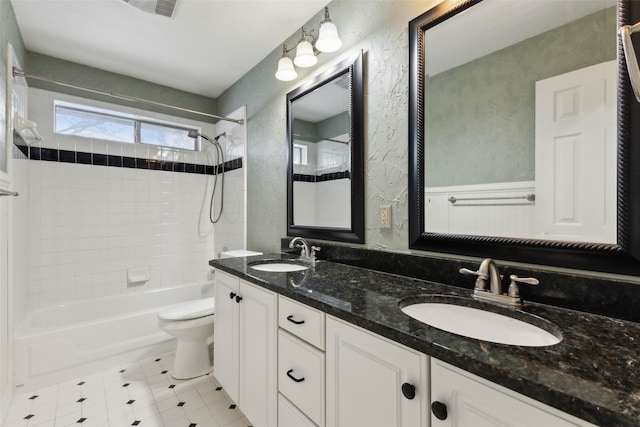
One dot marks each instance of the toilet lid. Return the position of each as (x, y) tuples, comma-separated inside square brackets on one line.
[(188, 310)]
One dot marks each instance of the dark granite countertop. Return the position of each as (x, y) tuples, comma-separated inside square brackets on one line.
[(593, 373)]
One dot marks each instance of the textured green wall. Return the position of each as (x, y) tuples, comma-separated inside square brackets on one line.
[(334, 126), (380, 30), (480, 116), (10, 33), (81, 75), (328, 128)]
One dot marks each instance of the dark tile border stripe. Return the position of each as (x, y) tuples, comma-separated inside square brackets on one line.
[(321, 178), (83, 158)]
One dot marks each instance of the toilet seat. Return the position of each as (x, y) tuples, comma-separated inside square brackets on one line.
[(188, 310)]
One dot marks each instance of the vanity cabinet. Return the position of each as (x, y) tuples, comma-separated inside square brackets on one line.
[(301, 365), (372, 381), (245, 347), (466, 400), (287, 364)]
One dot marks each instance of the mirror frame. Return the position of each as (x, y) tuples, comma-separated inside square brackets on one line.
[(354, 68), (621, 258)]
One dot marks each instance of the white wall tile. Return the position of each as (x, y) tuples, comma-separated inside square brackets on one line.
[(85, 225)]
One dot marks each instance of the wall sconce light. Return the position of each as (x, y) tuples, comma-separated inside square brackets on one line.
[(326, 41)]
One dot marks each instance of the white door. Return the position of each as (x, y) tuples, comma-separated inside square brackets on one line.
[(365, 377), (575, 162), (225, 334), (258, 355)]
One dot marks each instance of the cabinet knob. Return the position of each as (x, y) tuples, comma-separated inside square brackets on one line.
[(439, 409), (409, 391), (290, 375), (297, 322), (238, 298), (232, 295)]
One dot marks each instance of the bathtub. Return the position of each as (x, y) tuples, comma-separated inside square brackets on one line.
[(64, 342)]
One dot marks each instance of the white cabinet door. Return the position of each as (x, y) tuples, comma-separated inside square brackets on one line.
[(258, 354), (365, 376), (474, 402), (226, 333), (245, 347)]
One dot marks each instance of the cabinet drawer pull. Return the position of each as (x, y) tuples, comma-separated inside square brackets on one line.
[(409, 391), (439, 409), (298, 380), (232, 295), (238, 298), (296, 322)]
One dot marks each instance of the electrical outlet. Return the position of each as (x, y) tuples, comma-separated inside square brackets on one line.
[(385, 217)]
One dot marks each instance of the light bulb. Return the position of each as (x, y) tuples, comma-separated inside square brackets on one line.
[(328, 39), (304, 55), (286, 72)]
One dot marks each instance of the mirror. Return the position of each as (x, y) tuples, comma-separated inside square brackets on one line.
[(501, 163), (325, 172)]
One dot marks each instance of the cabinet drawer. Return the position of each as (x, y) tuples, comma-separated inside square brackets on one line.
[(301, 376), (290, 416), (302, 321)]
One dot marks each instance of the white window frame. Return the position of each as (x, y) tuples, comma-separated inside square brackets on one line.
[(137, 119), (303, 150)]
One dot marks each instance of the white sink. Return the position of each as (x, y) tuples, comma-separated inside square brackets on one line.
[(480, 324), (278, 267)]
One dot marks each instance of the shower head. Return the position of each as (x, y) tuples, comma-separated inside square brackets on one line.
[(194, 134)]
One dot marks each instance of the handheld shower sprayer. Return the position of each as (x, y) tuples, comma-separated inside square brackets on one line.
[(218, 165), (195, 134)]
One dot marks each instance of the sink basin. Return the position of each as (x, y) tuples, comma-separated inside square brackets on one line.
[(460, 316), (278, 267)]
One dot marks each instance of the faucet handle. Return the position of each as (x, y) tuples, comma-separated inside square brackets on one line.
[(468, 272), (528, 280), (303, 249), (513, 291)]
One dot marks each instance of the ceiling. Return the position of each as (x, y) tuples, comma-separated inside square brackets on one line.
[(204, 48)]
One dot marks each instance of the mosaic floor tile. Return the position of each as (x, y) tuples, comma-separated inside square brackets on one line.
[(142, 394)]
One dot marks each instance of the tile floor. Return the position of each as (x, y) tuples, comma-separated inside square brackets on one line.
[(142, 394)]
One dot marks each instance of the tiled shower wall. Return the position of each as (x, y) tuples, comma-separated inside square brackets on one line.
[(85, 225)]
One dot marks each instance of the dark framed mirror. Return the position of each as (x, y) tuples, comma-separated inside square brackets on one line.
[(325, 147), (488, 176)]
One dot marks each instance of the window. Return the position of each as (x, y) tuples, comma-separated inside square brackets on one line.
[(88, 122), (299, 154)]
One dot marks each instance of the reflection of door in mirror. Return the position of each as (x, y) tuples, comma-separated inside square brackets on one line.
[(321, 156), (576, 155), (481, 171)]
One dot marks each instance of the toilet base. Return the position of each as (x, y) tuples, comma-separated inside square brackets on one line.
[(192, 359)]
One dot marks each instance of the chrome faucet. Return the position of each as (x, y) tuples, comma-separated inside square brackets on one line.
[(488, 270), (306, 250)]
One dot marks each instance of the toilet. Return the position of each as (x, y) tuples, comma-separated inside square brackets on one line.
[(191, 322)]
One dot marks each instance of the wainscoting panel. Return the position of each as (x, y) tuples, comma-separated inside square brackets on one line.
[(496, 209)]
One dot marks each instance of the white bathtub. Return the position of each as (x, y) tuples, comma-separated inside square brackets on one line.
[(67, 341)]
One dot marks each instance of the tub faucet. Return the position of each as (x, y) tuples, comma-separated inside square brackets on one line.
[(306, 250)]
